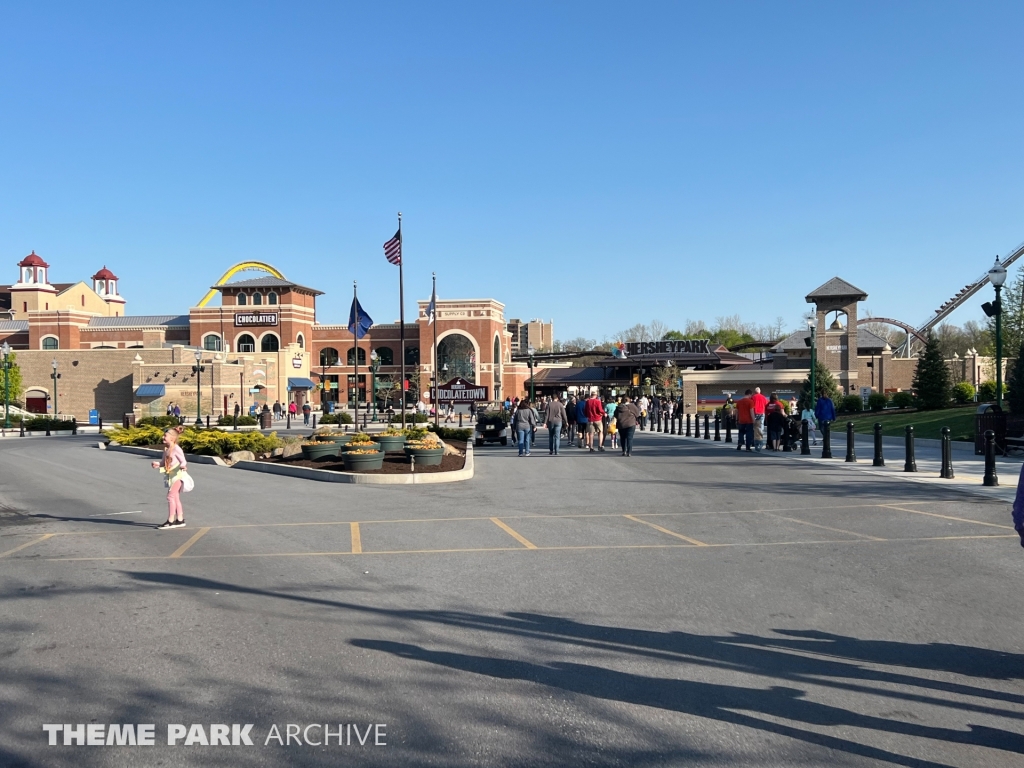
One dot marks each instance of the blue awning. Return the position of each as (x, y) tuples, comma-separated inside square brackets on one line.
[(150, 390), (299, 383)]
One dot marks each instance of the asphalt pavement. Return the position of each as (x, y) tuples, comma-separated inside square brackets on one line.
[(689, 605)]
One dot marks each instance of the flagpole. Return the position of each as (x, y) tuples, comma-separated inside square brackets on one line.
[(401, 313), (355, 348), (437, 382)]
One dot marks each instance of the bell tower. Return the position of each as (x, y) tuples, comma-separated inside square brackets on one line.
[(836, 343), (104, 283), (33, 291)]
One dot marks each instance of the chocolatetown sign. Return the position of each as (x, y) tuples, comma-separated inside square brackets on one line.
[(458, 390)]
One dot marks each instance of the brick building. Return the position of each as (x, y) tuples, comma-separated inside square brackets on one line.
[(263, 343)]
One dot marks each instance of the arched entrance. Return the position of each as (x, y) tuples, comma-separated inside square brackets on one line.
[(458, 352)]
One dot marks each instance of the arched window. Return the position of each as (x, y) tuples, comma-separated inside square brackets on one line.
[(243, 299), (352, 356), (257, 298), (272, 298), (301, 341), (328, 356), (458, 353), (385, 355), (412, 355), (211, 342), (51, 342), (270, 342), (246, 343)]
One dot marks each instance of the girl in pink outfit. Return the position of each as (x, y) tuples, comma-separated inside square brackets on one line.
[(173, 467)]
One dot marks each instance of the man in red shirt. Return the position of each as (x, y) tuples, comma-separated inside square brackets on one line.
[(745, 420), (595, 411), (760, 403)]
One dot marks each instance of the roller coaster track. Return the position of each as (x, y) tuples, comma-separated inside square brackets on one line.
[(243, 266), (946, 309)]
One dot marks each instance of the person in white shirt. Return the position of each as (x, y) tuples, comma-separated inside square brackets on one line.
[(643, 403), (812, 424)]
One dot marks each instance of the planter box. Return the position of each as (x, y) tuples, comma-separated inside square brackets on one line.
[(314, 452), (336, 439), (391, 443), (360, 447), (426, 457), (354, 462)]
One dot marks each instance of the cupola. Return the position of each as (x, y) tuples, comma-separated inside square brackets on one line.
[(32, 270), (104, 283)]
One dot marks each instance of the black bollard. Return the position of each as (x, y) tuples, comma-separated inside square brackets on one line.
[(851, 444), (696, 425), (879, 460), (100, 420), (22, 427), (728, 429), (991, 479), (673, 420), (826, 440), (657, 421), (718, 435), (707, 428), (207, 421), (47, 426), (234, 422), (910, 464), (688, 434), (74, 426), (946, 472), (314, 422), (805, 443), (460, 420), (287, 421)]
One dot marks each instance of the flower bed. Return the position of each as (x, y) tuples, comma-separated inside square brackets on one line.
[(203, 442), (394, 463)]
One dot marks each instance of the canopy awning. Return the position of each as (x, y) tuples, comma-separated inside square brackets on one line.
[(300, 383), (150, 390)]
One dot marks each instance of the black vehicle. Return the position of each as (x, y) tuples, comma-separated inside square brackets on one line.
[(491, 427)]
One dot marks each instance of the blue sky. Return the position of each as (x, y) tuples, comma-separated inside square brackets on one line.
[(599, 164)]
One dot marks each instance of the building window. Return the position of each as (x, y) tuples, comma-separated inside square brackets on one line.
[(385, 355), (83, 299), (272, 298), (257, 298), (458, 353), (211, 342), (412, 355), (328, 356), (270, 342), (246, 343), (301, 341), (50, 342), (351, 358), (243, 299)]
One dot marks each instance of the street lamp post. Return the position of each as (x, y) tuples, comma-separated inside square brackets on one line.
[(533, 391), (997, 276), (198, 369), (374, 365), (5, 349), (813, 344), (54, 376)]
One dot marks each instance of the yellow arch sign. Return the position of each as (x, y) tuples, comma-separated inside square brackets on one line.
[(242, 266)]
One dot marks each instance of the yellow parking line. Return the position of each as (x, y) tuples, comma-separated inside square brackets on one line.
[(824, 527), (27, 544), (666, 530), (522, 540), (947, 517), (184, 547), (357, 540)]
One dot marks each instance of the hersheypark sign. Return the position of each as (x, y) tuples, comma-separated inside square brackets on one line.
[(681, 347)]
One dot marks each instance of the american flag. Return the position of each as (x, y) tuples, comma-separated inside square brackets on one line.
[(393, 249)]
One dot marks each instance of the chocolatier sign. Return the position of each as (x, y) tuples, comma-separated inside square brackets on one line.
[(683, 347), (250, 319), (458, 390)]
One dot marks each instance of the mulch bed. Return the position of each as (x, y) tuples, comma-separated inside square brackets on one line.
[(394, 463)]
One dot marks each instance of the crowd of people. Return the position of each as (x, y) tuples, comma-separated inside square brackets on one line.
[(594, 423)]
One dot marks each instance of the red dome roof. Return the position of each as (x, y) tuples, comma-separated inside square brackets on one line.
[(32, 261), (104, 274)]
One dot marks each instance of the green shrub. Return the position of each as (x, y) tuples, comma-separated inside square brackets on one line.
[(338, 417), (877, 401), (42, 423), (963, 392), (243, 421), (987, 391), (204, 442), (145, 435), (158, 421), (415, 433), (851, 404), (903, 400), (410, 418), (446, 433)]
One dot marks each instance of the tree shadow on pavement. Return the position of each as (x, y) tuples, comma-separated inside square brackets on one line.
[(839, 663)]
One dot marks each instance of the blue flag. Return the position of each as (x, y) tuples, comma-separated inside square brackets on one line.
[(358, 321), (432, 307)]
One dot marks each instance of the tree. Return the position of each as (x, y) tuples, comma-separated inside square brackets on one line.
[(931, 379), (1015, 396), (13, 381), (824, 385)]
